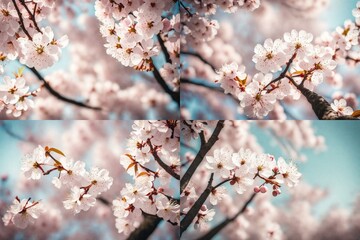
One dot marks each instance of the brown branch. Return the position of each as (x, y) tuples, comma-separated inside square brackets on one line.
[(201, 58), (32, 16), (60, 96), (204, 149), (22, 25), (320, 106), (283, 73), (192, 213), (167, 168), (227, 221)]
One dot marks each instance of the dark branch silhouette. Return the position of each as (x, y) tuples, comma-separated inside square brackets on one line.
[(192, 213), (204, 149), (146, 228), (175, 96)]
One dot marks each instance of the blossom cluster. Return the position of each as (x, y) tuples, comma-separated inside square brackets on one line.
[(152, 161), (81, 186), (23, 212), (15, 95), (198, 27), (22, 38), (242, 170), (130, 30), (300, 61)]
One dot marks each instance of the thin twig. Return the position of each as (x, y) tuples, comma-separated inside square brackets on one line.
[(201, 58), (200, 84), (60, 96), (167, 168), (32, 16), (186, 9), (22, 25)]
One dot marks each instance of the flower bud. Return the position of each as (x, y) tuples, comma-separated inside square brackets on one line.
[(263, 189), (203, 208)]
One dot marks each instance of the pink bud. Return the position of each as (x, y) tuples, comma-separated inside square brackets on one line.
[(263, 189), (203, 208), (256, 189), (160, 190), (274, 193)]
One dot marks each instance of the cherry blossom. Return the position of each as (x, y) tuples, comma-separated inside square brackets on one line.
[(203, 218), (340, 107), (220, 163), (270, 56), (23, 212), (303, 62), (152, 160), (232, 78), (82, 186), (289, 172), (79, 200), (299, 42), (32, 163)]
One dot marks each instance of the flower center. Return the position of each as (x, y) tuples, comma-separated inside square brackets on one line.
[(13, 90), (269, 56), (40, 49)]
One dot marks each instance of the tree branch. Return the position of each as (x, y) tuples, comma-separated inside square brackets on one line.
[(22, 25), (210, 87), (31, 15), (192, 213), (167, 168), (227, 221), (146, 228), (60, 96), (204, 149), (200, 58), (283, 73), (164, 49), (175, 96), (320, 106)]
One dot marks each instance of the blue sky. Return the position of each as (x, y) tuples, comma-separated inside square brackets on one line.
[(335, 169)]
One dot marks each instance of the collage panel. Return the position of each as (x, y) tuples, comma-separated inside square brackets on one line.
[(179, 119), (89, 179), (281, 59), (270, 180), (95, 59)]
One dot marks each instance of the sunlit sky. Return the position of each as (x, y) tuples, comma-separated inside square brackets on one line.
[(335, 169)]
